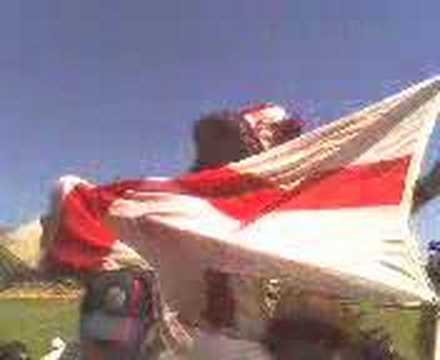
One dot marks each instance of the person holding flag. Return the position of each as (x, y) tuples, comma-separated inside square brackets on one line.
[(220, 138), (345, 188)]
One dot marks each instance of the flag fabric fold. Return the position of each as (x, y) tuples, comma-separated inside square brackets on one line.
[(328, 210)]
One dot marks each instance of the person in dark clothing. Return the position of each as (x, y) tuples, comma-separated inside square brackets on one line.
[(121, 310), (122, 317)]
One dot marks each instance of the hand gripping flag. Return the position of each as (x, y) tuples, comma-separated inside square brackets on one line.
[(328, 210)]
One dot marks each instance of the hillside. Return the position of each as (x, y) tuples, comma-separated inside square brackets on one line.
[(19, 278), (24, 242), (18, 253), (13, 269)]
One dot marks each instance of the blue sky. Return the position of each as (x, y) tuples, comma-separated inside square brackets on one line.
[(109, 89)]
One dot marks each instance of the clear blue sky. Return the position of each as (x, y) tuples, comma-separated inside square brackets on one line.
[(109, 89)]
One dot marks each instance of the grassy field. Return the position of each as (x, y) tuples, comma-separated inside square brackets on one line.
[(36, 322), (408, 329)]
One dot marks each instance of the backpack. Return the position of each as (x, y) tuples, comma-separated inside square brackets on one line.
[(118, 310)]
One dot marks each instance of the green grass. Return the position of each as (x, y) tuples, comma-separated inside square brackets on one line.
[(409, 329), (36, 322)]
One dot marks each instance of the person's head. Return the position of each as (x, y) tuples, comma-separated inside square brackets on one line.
[(229, 136), (218, 140)]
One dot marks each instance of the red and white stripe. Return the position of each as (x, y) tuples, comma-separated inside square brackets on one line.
[(330, 208)]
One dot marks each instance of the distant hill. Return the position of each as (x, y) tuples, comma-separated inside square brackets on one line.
[(24, 242), (13, 269), (15, 264), (19, 276)]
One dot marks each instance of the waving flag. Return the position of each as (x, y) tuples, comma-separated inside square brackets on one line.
[(328, 210)]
